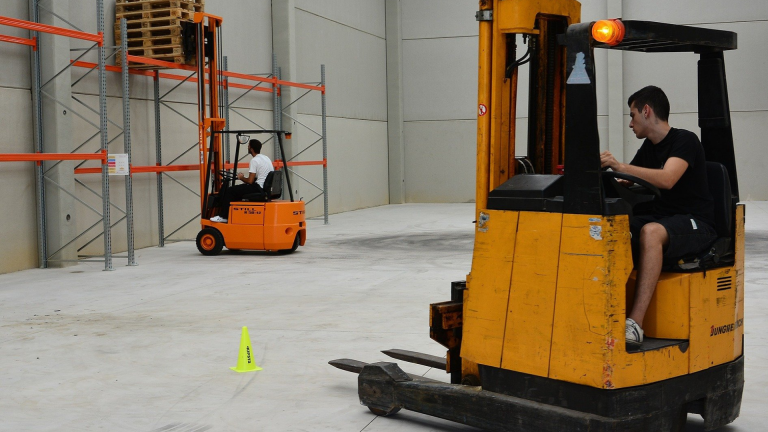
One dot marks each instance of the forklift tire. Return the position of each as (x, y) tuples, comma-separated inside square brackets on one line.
[(210, 241), (382, 413), (293, 248)]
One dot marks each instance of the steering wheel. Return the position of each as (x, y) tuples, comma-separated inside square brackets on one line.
[(227, 175), (645, 185)]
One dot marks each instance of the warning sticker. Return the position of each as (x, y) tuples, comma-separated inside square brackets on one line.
[(118, 164), (579, 74), (481, 110)]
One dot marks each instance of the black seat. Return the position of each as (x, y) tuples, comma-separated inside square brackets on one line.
[(273, 189), (721, 251)]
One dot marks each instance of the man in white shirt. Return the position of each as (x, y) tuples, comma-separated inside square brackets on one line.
[(258, 169)]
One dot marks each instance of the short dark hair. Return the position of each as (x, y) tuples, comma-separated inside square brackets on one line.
[(255, 145), (654, 97)]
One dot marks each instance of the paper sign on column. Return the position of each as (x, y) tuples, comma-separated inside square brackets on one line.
[(118, 164)]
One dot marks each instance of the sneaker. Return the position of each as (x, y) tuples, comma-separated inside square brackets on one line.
[(218, 219), (634, 333)]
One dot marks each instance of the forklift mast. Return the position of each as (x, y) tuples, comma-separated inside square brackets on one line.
[(210, 112), (503, 24)]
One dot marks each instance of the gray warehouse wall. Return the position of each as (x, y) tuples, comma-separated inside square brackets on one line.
[(439, 65), (18, 236), (349, 38)]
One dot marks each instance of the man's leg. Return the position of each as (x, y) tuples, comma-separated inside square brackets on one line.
[(653, 239), (233, 193)]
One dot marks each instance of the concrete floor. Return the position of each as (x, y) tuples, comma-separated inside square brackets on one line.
[(148, 348)]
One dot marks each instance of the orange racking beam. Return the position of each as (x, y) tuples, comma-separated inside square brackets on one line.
[(21, 41), (279, 163), (195, 167), (39, 157), (44, 28)]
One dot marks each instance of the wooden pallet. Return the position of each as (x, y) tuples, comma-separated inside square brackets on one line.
[(152, 52), (155, 28), (154, 17), (151, 41), (176, 59), (149, 33), (145, 5)]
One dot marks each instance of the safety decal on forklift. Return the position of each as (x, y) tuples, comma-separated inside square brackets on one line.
[(596, 232), (481, 110), (579, 74), (482, 221)]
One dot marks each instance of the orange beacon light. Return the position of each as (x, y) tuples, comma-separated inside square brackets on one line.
[(609, 32)]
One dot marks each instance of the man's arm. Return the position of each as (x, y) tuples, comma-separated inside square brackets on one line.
[(664, 178), (249, 180)]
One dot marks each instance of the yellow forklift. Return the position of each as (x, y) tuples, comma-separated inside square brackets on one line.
[(535, 336)]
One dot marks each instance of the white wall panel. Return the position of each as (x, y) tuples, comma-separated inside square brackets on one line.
[(438, 19), (363, 15), (357, 164), (355, 68), (247, 28), (15, 64), (677, 73), (18, 247), (440, 159), (440, 79), (696, 11), (750, 130)]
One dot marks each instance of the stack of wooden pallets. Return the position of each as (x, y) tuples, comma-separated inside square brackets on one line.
[(154, 29)]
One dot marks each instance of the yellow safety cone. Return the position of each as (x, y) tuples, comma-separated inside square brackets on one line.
[(245, 362)]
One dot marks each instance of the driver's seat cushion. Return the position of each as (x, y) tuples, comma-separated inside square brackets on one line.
[(721, 251), (273, 188)]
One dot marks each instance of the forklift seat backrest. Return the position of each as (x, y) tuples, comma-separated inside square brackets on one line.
[(273, 184), (273, 188), (720, 188)]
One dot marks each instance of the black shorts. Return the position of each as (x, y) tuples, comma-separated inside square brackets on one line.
[(687, 235)]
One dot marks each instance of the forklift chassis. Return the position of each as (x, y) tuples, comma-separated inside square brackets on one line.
[(513, 401)]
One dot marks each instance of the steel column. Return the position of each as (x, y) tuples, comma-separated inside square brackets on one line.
[(42, 235), (104, 139), (275, 102), (159, 162), (127, 138), (325, 149), (225, 98)]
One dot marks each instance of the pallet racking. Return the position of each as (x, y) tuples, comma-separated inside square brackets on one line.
[(231, 80)]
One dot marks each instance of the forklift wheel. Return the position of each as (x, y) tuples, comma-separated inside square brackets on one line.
[(210, 241), (382, 413), (295, 246)]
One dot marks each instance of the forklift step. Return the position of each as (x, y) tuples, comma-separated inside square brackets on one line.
[(650, 344), (418, 358)]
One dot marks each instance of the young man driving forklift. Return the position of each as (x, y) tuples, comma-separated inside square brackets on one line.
[(258, 169), (681, 222)]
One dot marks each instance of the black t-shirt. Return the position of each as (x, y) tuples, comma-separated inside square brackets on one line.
[(690, 195)]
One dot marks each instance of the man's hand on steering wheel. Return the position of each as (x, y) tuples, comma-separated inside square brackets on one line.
[(607, 160)]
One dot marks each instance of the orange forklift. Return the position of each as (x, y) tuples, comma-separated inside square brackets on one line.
[(535, 336), (261, 221)]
